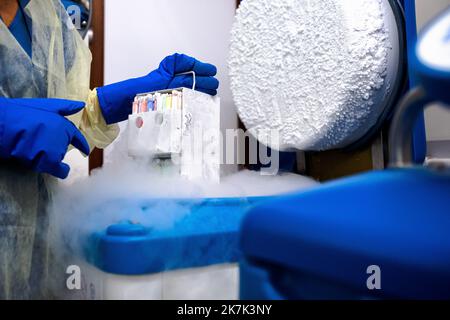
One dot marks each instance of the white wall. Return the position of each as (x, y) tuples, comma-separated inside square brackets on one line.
[(437, 118)]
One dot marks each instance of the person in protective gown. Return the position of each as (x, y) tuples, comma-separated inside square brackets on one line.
[(47, 107)]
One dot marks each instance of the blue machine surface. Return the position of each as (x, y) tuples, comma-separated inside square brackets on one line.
[(319, 244), (327, 243), (206, 235), (431, 61), (419, 139)]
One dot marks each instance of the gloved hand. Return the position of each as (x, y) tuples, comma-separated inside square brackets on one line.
[(35, 133), (116, 99)]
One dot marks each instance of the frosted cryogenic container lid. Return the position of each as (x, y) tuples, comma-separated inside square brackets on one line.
[(319, 73)]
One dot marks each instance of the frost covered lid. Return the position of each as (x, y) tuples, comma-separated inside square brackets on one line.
[(318, 72)]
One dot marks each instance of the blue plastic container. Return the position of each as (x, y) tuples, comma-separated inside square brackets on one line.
[(207, 234), (319, 244)]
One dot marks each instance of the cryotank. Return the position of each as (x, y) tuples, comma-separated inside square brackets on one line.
[(322, 74)]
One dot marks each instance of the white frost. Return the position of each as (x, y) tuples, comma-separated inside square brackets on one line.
[(309, 69)]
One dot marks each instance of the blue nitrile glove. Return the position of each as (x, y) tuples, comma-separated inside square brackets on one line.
[(116, 99), (35, 133)]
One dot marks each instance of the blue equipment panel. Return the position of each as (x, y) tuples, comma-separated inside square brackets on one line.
[(419, 139), (318, 244), (206, 234)]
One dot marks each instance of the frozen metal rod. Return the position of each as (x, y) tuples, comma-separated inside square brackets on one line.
[(400, 136)]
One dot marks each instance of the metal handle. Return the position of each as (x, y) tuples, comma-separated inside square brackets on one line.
[(193, 77), (90, 36), (400, 136)]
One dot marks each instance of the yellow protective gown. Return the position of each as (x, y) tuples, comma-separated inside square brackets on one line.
[(59, 68)]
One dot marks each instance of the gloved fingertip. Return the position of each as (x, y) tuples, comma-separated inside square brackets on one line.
[(209, 83), (216, 83), (70, 107), (61, 171), (204, 69), (80, 142)]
